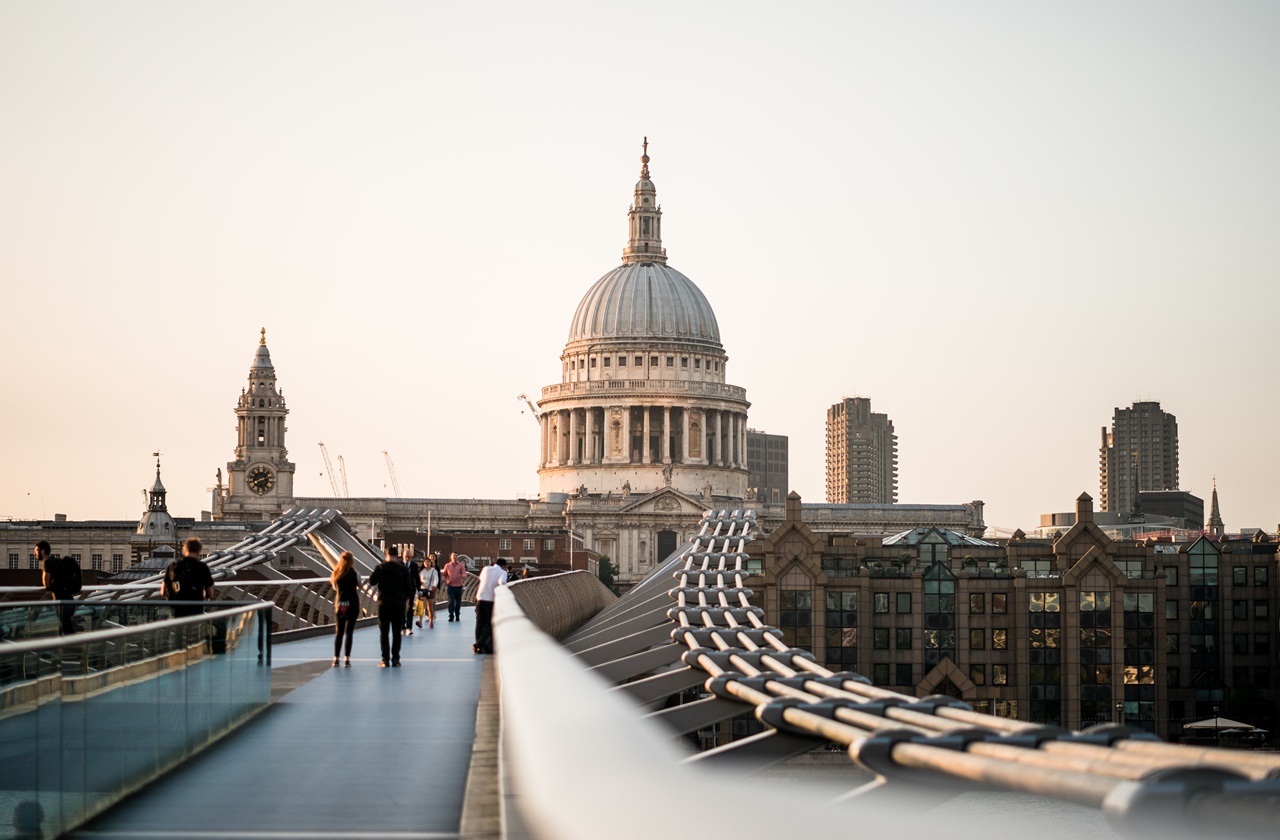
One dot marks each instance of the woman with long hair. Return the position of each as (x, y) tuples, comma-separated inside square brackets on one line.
[(430, 583), (346, 605)]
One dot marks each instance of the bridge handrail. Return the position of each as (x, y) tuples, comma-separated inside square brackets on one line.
[(561, 793), (46, 643)]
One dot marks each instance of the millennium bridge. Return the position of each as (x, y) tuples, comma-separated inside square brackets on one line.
[(584, 725)]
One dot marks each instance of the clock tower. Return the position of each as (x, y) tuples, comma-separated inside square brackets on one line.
[(260, 479)]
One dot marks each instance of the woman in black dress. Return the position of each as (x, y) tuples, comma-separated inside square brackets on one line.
[(346, 605)]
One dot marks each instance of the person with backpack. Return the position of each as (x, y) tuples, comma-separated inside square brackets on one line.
[(188, 582), (62, 579)]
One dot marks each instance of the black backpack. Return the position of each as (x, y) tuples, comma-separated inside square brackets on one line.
[(185, 581), (67, 579)]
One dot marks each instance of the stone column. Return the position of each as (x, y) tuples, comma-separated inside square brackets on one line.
[(626, 435), (734, 455), (684, 447), (590, 436), (716, 455), (543, 426), (547, 441), (644, 449), (573, 436), (666, 434), (561, 458)]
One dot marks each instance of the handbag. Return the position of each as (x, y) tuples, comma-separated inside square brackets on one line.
[(420, 608), (344, 609)]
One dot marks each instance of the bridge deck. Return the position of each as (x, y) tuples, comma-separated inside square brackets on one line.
[(359, 751)]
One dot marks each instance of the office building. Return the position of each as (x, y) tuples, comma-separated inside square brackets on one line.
[(862, 454), (1140, 453), (766, 467)]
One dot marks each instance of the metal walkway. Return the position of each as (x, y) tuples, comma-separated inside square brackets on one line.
[(355, 752)]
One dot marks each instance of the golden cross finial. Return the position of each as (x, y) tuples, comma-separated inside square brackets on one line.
[(644, 160), (263, 341)]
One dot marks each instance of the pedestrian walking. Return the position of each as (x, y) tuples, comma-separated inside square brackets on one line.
[(455, 575), (392, 580), (62, 580), (415, 583), (491, 577), (430, 583), (187, 582), (346, 606)]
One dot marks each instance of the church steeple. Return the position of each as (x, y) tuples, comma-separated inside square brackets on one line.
[(1215, 525), (260, 479), (644, 220)]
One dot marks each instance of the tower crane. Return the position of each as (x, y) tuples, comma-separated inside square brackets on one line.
[(328, 469), (529, 403), (391, 468), (342, 473)]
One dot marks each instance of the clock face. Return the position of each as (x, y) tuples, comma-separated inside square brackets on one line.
[(260, 480)]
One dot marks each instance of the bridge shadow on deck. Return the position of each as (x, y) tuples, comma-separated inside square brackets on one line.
[(353, 751)]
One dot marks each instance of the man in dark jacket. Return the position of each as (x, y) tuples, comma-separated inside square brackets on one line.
[(188, 581), (394, 587)]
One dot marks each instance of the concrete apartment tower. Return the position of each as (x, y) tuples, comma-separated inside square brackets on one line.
[(862, 454), (1140, 453)]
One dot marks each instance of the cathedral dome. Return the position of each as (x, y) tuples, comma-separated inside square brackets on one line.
[(643, 301)]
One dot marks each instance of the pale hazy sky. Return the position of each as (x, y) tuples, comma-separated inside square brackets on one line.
[(998, 220)]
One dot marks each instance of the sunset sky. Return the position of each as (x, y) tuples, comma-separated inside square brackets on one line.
[(998, 220)]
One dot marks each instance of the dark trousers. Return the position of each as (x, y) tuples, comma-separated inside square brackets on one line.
[(484, 626), (455, 601), (344, 627), (390, 621), (66, 613)]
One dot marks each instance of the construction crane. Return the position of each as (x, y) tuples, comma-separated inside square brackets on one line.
[(391, 468), (342, 473), (529, 403), (328, 470)]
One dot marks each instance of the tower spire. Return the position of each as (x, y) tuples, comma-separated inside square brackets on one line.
[(1215, 525), (644, 220), (262, 342)]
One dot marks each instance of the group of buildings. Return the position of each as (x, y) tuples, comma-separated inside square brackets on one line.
[(644, 432)]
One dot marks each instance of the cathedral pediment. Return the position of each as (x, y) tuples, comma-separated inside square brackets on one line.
[(666, 500)]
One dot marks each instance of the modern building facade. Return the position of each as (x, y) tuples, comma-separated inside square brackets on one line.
[(767, 468), (862, 454), (1139, 453), (1077, 630)]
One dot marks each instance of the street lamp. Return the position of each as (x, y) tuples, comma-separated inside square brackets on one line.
[(1120, 712)]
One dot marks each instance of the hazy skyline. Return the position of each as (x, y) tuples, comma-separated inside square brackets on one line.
[(999, 221)]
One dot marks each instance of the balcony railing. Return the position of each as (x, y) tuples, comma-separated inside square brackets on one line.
[(604, 387)]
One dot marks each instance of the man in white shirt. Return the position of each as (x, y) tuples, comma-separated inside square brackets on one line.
[(491, 577)]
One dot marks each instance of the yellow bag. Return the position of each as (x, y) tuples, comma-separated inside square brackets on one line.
[(420, 608)]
